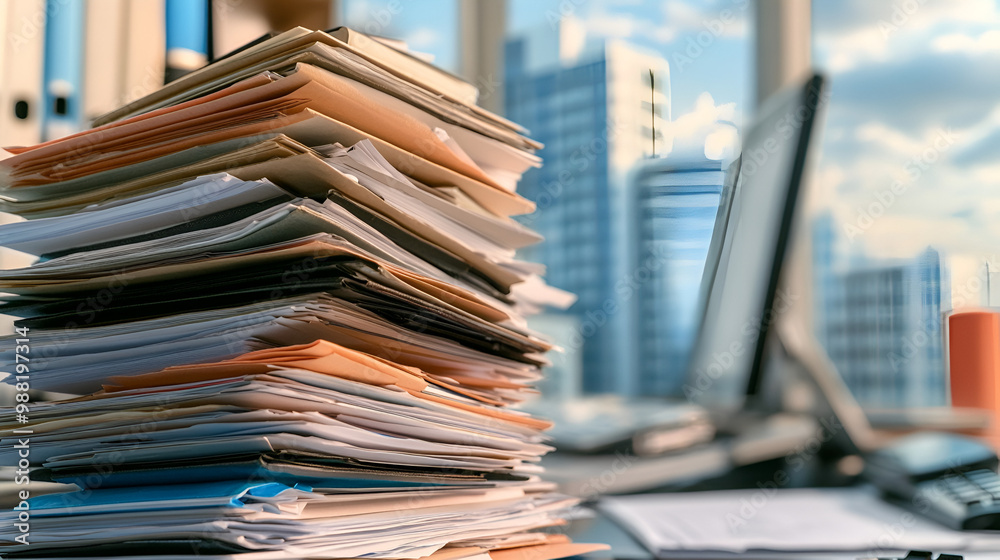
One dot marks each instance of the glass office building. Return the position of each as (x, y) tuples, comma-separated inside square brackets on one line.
[(590, 104), (825, 251), (676, 200), (883, 330)]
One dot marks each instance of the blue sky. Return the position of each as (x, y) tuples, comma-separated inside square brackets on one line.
[(668, 28), (663, 27), (915, 103)]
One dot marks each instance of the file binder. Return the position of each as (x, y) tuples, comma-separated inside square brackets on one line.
[(21, 54), (187, 36), (124, 53), (64, 46), (145, 48), (105, 45)]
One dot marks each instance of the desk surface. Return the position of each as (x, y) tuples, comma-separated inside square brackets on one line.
[(589, 476), (601, 528)]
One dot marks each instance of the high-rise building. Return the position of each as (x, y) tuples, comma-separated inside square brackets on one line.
[(596, 109), (826, 257), (885, 334), (676, 200)]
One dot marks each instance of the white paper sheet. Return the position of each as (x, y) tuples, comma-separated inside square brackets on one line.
[(852, 520)]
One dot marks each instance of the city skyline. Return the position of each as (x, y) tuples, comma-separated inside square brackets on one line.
[(882, 165), (675, 201), (589, 103), (884, 118), (627, 217), (880, 320)]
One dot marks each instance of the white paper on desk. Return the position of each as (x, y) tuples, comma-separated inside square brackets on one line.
[(793, 520)]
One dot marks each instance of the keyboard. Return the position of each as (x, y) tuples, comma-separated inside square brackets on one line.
[(948, 478)]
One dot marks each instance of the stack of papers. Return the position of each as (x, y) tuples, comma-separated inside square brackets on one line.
[(284, 293)]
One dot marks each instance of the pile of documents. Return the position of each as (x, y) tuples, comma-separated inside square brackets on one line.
[(282, 296)]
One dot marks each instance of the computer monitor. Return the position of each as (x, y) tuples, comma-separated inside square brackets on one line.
[(740, 296)]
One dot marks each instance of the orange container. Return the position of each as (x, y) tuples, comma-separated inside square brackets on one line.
[(974, 362)]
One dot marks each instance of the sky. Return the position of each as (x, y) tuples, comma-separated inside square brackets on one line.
[(909, 153), (915, 105)]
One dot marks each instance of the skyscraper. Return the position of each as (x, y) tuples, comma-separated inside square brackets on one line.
[(826, 255), (592, 105), (675, 203), (885, 336)]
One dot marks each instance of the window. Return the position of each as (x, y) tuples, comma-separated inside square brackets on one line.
[(907, 179), (595, 59), (428, 26)]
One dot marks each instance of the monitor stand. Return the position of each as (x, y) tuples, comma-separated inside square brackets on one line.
[(800, 378), (802, 402)]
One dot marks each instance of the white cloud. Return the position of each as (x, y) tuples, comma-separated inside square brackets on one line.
[(903, 72), (864, 45), (906, 235), (703, 130), (721, 143), (611, 25), (988, 175), (952, 207), (828, 180), (894, 140), (423, 38), (844, 17), (880, 31), (677, 19), (931, 144), (727, 20), (987, 42)]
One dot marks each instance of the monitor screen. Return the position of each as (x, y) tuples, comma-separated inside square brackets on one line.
[(741, 297)]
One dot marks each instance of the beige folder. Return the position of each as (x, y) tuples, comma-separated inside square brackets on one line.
[(299, 106), (291, 41), (326, 358)]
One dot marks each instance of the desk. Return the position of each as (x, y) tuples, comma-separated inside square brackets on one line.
[(602, 529), (589, 476), (834, 520)]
